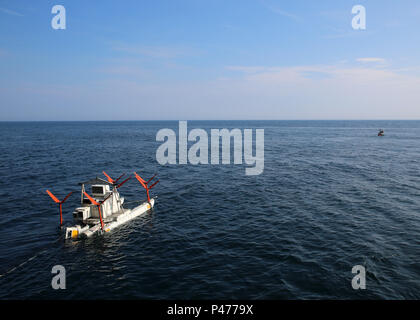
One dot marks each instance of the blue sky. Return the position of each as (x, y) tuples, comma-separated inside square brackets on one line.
[(196, 59)]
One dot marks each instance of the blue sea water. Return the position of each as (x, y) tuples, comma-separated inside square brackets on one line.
[(332, 195)]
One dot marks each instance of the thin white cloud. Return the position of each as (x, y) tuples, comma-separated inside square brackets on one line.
[(11, 12), (156, 51), (280, 11), (371, 60), (285, 13), (339, 34), (246, 69), (123, 70)]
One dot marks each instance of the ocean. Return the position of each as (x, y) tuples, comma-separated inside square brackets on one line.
[(332, 195)]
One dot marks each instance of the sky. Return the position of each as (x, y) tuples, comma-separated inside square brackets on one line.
[(209, 60)]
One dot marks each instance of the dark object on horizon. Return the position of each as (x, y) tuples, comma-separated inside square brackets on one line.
[(381, 133)]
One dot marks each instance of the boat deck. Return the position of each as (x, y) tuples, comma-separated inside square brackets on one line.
[(113, 217)]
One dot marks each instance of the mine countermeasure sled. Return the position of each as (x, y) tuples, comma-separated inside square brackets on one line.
[(102, 210)]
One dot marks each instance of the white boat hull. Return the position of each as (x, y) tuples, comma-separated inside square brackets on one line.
[(87, 231)]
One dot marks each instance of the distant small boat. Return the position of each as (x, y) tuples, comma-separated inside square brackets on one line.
[(381, 133)]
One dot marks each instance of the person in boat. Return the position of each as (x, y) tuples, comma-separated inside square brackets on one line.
[(381, 132)]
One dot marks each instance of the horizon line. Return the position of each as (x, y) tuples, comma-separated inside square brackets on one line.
[(167, 120)]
